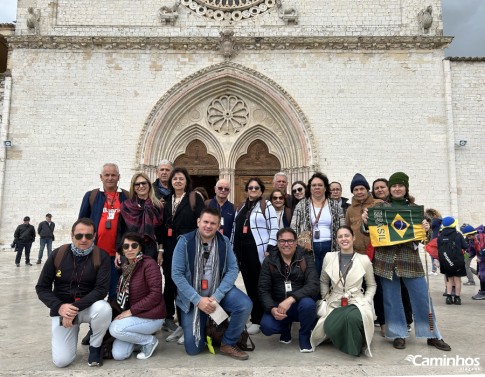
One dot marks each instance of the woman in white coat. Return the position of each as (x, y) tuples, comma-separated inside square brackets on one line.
[(348, 321)]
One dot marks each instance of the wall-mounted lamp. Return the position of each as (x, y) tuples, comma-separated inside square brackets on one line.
[(8, 143), (461, 143)]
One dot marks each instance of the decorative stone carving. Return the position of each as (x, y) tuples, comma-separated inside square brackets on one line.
[(169, 14), (227, 114), (425, 19), (289, 15), (227, 44), (229, 10), (33, 20)]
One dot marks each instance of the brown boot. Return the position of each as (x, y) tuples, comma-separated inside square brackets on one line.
[(233, 351)]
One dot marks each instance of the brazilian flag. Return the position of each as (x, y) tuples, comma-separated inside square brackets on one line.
[(392, 226)]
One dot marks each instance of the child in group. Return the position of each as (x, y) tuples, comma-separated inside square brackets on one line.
[(451, 246), (476, 247)]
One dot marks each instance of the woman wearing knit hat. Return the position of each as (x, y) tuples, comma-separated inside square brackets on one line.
[(452, 262), (403, 261)]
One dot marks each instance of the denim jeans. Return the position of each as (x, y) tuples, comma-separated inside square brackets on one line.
[(304, 311), (64, 340), (131, 331), (20, 249), (236, 304), (43, 243), (396, 326), (320, 249)]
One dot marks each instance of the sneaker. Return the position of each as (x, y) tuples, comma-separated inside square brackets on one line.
[(474, 271), (181, 340), (306, 350), (399, 343), (233, 351), (87, 337), (95, 359), (285, 339), (170, 325), (376, 323), (449, 300), (439, 343), (457, 300), (253, 329), (28, 264), (173, 337), (38, 261), (479, 296), (147, 349), (17, 264), (469, 283)]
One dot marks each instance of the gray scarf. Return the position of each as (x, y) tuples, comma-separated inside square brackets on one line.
[(81, 253), (199, 272)]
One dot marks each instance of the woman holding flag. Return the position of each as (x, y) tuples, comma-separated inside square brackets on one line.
[(402, 260)]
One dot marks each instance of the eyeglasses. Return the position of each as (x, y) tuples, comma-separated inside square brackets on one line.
[(134, 245), (277, 198), (298, 189), (253, 188), (137, 184), (224, 189), (88, 236), (288, 242)]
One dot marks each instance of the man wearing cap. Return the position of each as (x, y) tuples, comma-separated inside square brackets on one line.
[(24, 236), (46, 234), (361, 200)]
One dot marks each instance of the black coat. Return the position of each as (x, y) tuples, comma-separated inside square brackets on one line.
[(25, 233), (303, 277)]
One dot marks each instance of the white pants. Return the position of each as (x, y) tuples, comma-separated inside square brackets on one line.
[(64, 340)]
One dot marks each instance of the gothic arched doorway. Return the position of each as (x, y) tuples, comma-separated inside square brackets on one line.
[(257, 162), (202, 167)]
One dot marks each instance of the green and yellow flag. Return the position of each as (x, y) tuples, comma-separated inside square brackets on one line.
[(392, 226)]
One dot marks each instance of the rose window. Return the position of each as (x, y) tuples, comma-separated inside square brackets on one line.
[(230, 10), (227, 114)]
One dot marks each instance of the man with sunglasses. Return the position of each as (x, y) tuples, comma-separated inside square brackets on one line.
[(287, 286), (221, 202), (73, 284)]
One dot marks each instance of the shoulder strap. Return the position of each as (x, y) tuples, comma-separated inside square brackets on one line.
[(303, 265), (207, 203), (62, 253), (92, 196), (262, 205), (60, 256)]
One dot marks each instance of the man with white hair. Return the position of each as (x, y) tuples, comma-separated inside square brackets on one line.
[(223, 205), (160, 185), (280, 182)]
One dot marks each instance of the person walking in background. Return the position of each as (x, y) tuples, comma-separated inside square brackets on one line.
[(46, 234), (24, 236)]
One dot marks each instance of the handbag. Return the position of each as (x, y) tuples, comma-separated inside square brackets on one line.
[(216, 331), (305, 240)]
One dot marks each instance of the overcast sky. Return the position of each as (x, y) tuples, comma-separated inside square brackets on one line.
[(463, 19)]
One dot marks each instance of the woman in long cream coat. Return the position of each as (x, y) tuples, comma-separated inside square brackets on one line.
[(351, 326)]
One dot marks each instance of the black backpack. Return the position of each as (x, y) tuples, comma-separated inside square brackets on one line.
[(450, 256)]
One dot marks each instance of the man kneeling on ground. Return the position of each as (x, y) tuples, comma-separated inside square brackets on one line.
[(287, 284), (81, 275), (204, 269)]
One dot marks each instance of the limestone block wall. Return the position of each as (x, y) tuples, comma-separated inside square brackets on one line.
[(468, 95), (141, 18), (372, 112)]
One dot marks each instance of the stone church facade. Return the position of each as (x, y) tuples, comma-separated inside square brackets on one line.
[(236, 88)]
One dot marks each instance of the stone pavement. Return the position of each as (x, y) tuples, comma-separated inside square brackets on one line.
[(25, 343)]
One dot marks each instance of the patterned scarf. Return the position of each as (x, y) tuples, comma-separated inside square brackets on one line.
[(199, 272), (123, 289), (81, 253), (141, 217)]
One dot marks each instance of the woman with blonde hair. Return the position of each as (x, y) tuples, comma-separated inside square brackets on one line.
[(142, 213)]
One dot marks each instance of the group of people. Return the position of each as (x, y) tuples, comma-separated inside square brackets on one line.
[(302, 257)]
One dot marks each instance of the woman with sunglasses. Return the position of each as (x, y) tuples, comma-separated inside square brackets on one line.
[(142, 213), (283, 213), (349, 318), (182, 209), (298, 190), (139, 296), (253, 234), (317, 218)]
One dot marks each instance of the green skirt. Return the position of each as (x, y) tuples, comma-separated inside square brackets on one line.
[(345, 328)]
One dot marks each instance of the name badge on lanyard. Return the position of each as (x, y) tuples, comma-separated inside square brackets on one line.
[(288, 286), (111, 214)]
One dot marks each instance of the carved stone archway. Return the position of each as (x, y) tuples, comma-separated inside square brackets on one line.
[(227, 107)]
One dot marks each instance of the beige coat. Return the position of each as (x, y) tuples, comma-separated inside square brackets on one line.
[(361, 269)]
